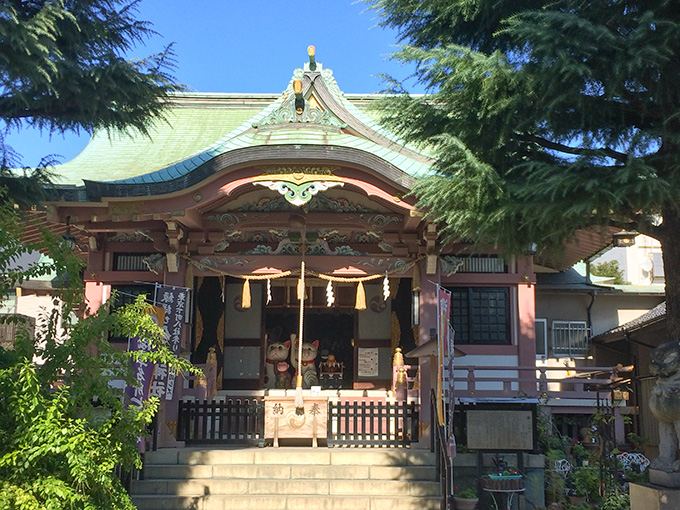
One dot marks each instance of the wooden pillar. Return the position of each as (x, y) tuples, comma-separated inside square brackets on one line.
[(526, 315)]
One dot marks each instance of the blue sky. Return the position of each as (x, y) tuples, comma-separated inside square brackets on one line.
[(251, 46)]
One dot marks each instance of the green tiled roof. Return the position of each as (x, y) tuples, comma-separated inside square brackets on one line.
[(188, 131), (200, 127)]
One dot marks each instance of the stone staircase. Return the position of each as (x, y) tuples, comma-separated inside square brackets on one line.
[(288, 478)]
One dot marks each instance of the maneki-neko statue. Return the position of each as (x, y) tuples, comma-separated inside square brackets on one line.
[(277, 373), (310, 377)]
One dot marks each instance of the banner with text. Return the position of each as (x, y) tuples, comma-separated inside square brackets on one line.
[(143, 370), (174, 302), (444, 309)]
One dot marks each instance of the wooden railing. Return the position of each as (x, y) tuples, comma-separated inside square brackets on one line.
[(581, 383), (237, 420), (372, 423)]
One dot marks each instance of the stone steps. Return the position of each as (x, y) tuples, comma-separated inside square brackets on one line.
[(287, 478), (259, 502)]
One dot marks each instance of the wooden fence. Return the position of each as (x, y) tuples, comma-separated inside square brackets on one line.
[(372, 423), (231, 421)]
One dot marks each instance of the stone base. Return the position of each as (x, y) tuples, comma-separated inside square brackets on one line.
[(652, 497), (664, 478)]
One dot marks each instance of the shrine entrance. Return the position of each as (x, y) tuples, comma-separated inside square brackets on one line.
[(332, 329)]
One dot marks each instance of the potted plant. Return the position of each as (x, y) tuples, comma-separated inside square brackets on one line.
[(465, 499), (585, 482), (580, 454)]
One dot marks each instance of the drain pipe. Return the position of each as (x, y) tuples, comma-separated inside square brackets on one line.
[(589, 315)]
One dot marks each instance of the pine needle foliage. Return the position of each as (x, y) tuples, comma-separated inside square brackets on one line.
[(546, 118), (63, 67)]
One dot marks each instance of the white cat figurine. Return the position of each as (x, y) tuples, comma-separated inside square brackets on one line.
[(309, 352), (276, 366)]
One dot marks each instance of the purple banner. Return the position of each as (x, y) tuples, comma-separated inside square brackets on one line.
[(174, 303), (143, 370)]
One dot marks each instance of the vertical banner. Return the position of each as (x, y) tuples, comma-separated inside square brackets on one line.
[(444, 308), (143, 370), (174, 303), (451, 353)]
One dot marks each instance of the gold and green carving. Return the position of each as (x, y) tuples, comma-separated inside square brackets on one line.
[(298, 188)]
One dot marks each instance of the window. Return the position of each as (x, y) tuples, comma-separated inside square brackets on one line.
[(569, 339), (133, 261), (11, 325), (481, 315), (126, 294), (541, 328)]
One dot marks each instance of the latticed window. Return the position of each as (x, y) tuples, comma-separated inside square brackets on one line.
[(569, 339), (481, 315)]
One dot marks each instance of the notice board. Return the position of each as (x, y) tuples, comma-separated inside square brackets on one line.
[(500, 429)]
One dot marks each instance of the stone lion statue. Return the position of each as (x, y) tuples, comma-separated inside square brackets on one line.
[(664, 403)]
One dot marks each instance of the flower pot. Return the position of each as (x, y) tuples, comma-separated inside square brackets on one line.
[(465, 503), (577, 500)]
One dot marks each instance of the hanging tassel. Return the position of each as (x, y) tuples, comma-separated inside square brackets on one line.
[(269, 291), (361, 297), (245, 294)]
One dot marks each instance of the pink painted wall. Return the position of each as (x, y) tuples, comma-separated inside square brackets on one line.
[(96, 294)]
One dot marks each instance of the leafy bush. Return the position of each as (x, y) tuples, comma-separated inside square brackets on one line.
[(63, 427)]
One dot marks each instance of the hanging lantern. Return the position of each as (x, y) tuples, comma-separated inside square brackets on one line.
[(330, 296)]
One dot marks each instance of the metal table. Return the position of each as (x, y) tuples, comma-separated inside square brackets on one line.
[(509, 495)]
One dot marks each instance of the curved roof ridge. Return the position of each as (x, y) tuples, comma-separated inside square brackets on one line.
[(338, 123)]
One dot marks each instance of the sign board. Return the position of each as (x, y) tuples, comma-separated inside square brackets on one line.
[(368, 362), (500, 429), (281, 419)]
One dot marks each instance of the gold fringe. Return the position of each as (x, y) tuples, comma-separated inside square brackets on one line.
[(361, 297), (245, 294)]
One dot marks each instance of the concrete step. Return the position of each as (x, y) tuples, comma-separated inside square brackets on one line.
[(292, 456), (216, 486), (289, 502), (288, 478), (285, 472)]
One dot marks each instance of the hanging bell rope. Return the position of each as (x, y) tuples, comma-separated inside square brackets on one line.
[(299, 402)]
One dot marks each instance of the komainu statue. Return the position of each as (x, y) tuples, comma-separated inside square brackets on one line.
[(665, 404)]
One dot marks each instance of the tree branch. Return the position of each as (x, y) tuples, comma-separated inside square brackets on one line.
[(602, 151)]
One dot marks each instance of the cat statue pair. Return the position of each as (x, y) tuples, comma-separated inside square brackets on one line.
[(278, 375)]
